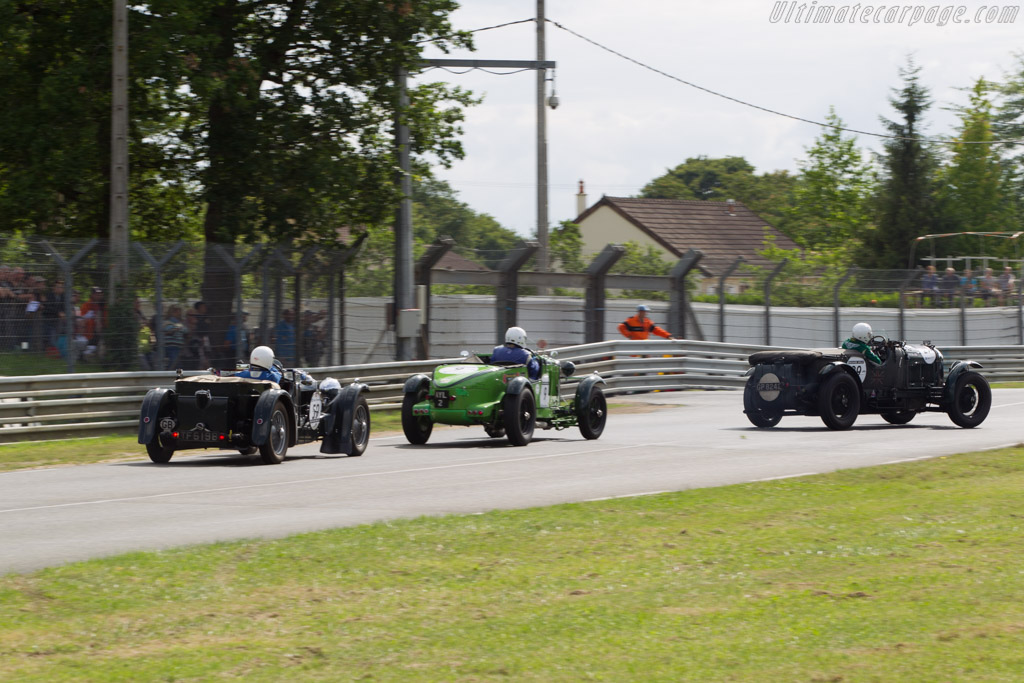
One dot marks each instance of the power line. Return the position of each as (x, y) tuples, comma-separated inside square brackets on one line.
[(773, 111), (486, 28)]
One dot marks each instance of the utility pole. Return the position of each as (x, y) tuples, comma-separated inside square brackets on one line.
[(119, 153), (542, 149)]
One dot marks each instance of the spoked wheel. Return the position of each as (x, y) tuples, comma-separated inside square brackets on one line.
[(360, 427), (593, 416), (839, 401), (417, 428), (758, 416), (899, 417), (520, 417), (274, 449), (972, 399)]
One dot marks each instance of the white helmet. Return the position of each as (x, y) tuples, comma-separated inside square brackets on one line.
[(862, 331), (262, 357), (516, 335)]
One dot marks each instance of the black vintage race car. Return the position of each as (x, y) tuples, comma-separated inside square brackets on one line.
[(839, 384), (254, 416)]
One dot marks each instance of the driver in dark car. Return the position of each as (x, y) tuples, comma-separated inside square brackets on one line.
[(861, 342), (514, 351), (261, 365)]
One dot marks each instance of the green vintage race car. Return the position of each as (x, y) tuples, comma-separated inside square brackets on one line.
[(502, 399)]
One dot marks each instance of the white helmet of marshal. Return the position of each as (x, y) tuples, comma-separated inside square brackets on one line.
[(262, 357), (516, 335), (862, 331)]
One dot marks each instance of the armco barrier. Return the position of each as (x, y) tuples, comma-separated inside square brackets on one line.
[(60, 406)]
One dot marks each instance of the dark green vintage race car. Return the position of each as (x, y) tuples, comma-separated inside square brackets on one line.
[(502, 399)]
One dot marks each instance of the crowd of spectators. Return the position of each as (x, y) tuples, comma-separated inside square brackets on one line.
[(945, 290)]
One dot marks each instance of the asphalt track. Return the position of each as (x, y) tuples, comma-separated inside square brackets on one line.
[(687, 440)]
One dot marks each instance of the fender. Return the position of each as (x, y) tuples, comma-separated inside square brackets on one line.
[(516, 384), (155, 400), (750, 371), (415, 383), (337, 423), (261, 416), (958, 368), (839, 366), (586, 387)]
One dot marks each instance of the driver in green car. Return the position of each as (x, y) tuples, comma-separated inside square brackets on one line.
[(514, 351), (860, 341)]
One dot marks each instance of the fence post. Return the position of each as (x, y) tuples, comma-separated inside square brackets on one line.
[(300, 351), (721, 295), (1020, 311), (768, 301), (835, 303), (679, 303), (69, 288), (903, 286), (594, 310), (963, 315), (508, 289), (236, 268), (441, 246), (158, 300)]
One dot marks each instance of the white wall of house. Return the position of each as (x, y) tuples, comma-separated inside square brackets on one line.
[(605, 226)]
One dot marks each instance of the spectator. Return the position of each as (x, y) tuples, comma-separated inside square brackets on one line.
[(1007, 283), (948, 286), (929, 286), (312, 337), (146, 337), (968, 286), (234, 351), (174, 336), (200, 336), (639, 326), (17, 303), (284, 338), (36, 287), (989, 286), (54, 302), (94, 312)]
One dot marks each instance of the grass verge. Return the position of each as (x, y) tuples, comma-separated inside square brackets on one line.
[(908, 572)]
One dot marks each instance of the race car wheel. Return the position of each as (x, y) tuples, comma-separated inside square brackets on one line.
[(972, 399), (899, 417), (839, 401), (417, 428), (593, 416), (758, 416), (520, 417), (360, 427), (159, 452), (273, 450)]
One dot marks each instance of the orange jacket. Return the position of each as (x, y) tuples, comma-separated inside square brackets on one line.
[(635, 328)]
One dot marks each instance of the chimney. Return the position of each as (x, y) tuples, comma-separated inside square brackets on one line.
[(730, 204), (581, 201)]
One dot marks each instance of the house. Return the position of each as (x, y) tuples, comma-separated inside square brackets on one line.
[(721, 230)]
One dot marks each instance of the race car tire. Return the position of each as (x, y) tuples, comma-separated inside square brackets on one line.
[(899, 417), (593, 416), (839, 401), (495, 432), (159, 452), (972, 399), (417, 429), (274, 449), (251, 450), (360, 427), (520, 416), (758, 416)]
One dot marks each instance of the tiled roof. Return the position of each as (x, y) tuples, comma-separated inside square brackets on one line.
[(682, 224), (453, 261)]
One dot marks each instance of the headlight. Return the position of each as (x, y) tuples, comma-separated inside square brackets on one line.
[(330, 387)]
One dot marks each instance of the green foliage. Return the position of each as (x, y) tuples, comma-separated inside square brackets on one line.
[(904, 206), (830, 209), (768, 195), (565, 248), (642, 260)]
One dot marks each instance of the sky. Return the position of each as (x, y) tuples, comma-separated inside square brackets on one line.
[(618, 125)]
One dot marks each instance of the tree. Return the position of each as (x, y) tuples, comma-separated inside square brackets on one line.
[(768, 195), (904, 205), (830, 211)]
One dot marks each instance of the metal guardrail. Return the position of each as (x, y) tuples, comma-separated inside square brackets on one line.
[(61, 406)]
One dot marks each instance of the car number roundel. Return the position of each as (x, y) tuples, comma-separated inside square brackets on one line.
[(859, 366), (316, 409)]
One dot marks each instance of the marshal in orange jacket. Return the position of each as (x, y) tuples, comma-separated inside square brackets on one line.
[(636, 327)]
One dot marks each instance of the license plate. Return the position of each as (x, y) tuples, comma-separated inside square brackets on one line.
[(441, 399), (202, 436)]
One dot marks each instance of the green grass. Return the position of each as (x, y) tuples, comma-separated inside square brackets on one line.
[(18, 363), (907, 572)]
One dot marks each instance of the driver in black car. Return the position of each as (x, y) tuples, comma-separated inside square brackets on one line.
[(261, 365), (861, 342)]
